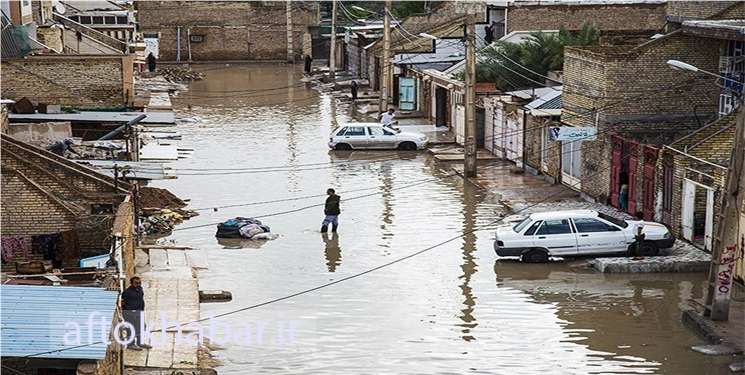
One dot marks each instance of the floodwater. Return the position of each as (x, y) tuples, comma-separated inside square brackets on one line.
[(452, 309)]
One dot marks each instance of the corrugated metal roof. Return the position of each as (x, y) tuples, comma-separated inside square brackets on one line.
[(90, 116), (33, 319)]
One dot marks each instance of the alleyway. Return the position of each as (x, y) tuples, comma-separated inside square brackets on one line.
[(453, 309)]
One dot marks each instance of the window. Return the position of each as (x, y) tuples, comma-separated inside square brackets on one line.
[(75, 18), (86, 20), (521, 225), (121, 20), (110, 20), (196, 38), (555, 227), (98, 20), (355, 131), (532, 229), (589, 225), (102, 209), (619, 222)]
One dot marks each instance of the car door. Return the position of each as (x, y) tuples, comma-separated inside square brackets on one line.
[(381, 138), (557, 236), (356, 136), (595, 236)]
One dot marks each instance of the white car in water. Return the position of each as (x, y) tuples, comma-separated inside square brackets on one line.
[(368, 136), (576, 233)]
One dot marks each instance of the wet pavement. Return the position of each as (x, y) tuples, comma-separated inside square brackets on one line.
[(261, 152)]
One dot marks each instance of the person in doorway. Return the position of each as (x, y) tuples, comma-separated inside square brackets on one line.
[(354, 89), (387, 117), (488, 34), (151, 62), (639, 236), (332, 211), (308, 61), (133, 307), (60, 147), (623, 192)]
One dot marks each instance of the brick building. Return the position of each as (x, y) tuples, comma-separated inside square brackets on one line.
[(88, 81), (225, 30), (43, 194)]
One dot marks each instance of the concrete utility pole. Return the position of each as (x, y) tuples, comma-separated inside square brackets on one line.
[(386, 64), (290, 52), (470, 131), (332, 53), (728, 241)]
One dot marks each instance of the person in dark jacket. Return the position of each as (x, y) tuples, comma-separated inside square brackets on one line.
[(60, 147), (133, 307), (151, 62), (308, 60), (354, 89), (332, 211)]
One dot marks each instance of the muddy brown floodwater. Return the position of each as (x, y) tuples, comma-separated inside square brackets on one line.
[(261, 137)]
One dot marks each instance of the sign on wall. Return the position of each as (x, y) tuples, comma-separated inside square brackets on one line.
[(572, 133)]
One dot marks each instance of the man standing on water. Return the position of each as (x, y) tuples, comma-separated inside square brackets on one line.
[(332, 211), (639, 236), (133, 304)]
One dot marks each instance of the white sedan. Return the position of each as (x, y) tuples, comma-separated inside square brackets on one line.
[(375, 136), (576, 233)]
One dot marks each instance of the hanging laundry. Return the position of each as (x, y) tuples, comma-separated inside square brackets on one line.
[(12, 245), (70, 244)]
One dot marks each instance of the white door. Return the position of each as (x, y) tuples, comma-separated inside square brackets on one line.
[(499, 139), (571, 160), (512, 135), (460, 124), (597, 237), (689, 205), (381, 138), (488, 125), (709, 226), (557, 237), (544, 148)]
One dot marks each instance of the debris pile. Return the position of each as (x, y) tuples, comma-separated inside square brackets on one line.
[(181, 74), (243, 227), (161, 211)]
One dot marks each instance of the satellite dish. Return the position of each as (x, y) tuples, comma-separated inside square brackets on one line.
[(60, 8)]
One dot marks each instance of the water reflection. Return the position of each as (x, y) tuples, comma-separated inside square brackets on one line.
[(332, 250), (468, 267), (240, 243)]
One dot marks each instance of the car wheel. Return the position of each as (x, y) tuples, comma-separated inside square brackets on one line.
[(407, 146), (650, 248), (343, 146), (535, 256)]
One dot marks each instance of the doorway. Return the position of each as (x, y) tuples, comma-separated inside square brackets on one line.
[(697, 217), (441, 109)]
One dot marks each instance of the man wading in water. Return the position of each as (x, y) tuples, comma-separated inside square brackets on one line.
[(332, 211)]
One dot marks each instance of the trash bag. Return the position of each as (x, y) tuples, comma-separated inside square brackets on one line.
[(232, 228)]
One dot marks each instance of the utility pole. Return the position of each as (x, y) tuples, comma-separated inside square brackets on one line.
[(332, 53), (386, 64), (470, 130), (728, 243), (290, 52)]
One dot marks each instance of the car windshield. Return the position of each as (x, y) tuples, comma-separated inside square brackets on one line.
[(619, 222), (392, 130), (520, 226)]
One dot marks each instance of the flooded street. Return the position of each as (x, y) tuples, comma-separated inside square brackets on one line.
[(260, 151)]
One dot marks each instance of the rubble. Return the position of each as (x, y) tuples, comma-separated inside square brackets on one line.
[(181, 74), (161, 211)]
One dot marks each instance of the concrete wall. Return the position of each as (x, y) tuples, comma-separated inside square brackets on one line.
[(231, 30), (603, 16), (70, 80), (41, 134), (632, 92)]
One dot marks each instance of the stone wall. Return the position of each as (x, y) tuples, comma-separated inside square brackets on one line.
[(4, 122), (70, 80), (50, 37), (632, 92), (230, 30), (603, 16), (679, 11), (40, 134)]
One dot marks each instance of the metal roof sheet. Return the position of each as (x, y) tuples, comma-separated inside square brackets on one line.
[(123, 117), (33, 320)]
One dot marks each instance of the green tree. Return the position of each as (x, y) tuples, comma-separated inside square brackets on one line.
[(512, 65), (406, 8)]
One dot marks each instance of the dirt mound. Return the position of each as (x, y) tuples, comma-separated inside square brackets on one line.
[(152, 197)]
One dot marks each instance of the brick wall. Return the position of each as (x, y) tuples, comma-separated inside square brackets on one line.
[(231, 30), (632, 92), (533, 152), (605, 17), (45, 194), (679, 11), (70, 80)]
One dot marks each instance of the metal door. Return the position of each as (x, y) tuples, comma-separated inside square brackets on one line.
[(556, 236), (615, 170), (460, 124), (689, 203), (633, 161), (380, 138), (650, 168), (407, 94)]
